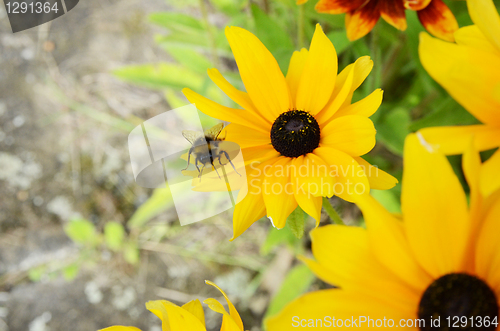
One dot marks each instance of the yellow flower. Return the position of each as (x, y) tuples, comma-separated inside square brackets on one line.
[(304, 121), (441, 260), (470, 71), (362, 15), (189, 317)]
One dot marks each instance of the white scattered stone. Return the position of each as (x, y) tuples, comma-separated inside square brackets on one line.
[(123, 298), (93, 293), (18, 121), (40, 323)]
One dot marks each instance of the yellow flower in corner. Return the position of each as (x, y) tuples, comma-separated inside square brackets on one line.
[(362, 15), (189, 317), (440, 262), (301, 137), (470, 71)]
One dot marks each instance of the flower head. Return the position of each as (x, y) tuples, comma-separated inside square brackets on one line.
[(441, 260), (190, 316), (300, 136), (470, 71), (362, 15)]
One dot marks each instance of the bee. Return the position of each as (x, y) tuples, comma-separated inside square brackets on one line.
[(206, 147)]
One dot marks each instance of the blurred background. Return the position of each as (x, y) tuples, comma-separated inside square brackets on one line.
[(82, 247)]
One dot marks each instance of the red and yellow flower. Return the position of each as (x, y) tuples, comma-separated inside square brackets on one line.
[(362, 15)]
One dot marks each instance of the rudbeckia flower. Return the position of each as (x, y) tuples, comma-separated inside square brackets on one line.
[(300, 135), (189, 317), (439, 261), (362, 15), (470, 72)]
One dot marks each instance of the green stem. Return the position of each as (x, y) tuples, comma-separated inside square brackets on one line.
[(300, 27), (331, 211), (211, 35)]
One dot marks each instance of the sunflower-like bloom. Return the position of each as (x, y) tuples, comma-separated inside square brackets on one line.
[(441, 259), (470, 71), (300, 135), (189, 317), (362, 15)]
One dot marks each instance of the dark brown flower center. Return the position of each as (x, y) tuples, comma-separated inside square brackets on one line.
[(458, 301), (295, 133)]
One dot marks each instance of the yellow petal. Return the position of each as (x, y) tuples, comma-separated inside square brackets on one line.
[(295, 69), (439, 20), (434, 209), (357, 268), (319, 73), (258, 154), (353, 134), (378, 179), (359, 71), (485, 15), (488, 246), (361, 21), (364, 107), (309, 204), (174, 318), (260, 73), (239, 116), (232, 311), (321, 306), (245, 136), (473, 37), (469, 75), (120, 328), (489, 175), (351, 178), (240, 97), (277, 191), (251, 208), (456, 139), (195, 308), (339, 97), (311, 175), (387, 235)]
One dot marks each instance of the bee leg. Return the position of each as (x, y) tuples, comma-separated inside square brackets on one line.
[(189, 156), (196, 165), (213, 166), (201, 171), (227, 157)]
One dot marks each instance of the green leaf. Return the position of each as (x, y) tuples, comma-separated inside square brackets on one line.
[(81, 231), (388, 199), (35, 274), (339, 40), (71, 271), (177, 22), (296, 222), (296, 282), (393, 129), (160, 76), (277, 237), (190, 59), (160, 201), (131, 253), (114, 233), (272, 35)]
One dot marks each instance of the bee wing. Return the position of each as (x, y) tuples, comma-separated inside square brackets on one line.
[(192, 136), (214, 131)]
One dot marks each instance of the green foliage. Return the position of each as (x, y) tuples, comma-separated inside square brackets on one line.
[(81, 231), (114, 235), (297, 281), (160, 201), (296, 222)]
